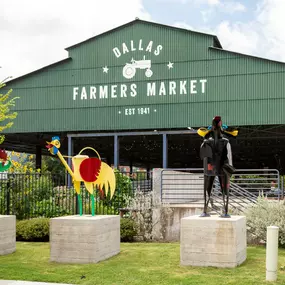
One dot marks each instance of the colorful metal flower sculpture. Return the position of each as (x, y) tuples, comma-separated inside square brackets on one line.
[(5, 163), (90, 170)]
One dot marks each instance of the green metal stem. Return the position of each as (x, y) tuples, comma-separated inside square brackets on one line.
[(93, 204), (80, 204)]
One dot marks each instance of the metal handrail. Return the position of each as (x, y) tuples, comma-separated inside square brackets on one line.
[(243, 197)]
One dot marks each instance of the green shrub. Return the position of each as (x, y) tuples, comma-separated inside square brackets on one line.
[(33, 230), (128, 229), (49, 209), (266, 213), (102, 209), (3, 201), (38, 230), (27, 190), (123, 191)]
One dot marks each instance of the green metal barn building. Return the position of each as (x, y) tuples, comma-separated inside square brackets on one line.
[(138, 92)]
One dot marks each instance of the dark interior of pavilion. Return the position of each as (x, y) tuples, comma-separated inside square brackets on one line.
[(255, 147)]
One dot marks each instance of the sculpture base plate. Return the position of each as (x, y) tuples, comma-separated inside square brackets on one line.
[(225, 216)]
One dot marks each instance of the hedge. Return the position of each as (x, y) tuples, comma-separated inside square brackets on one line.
[(37, 229)]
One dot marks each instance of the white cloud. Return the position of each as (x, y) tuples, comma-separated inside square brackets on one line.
[(236, 37), (262, 36), (34, 33), (233, 37), (213, 2), (183, 25), (195, 2), (270, 16), (207, 14), (228, 7), (232, 7), (208, 2)]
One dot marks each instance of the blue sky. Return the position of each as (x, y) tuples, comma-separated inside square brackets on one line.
[(35, 33)]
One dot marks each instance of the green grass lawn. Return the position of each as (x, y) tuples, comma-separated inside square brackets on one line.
[(138, 263)]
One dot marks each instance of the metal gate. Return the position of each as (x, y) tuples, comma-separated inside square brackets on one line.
[(185, 185)]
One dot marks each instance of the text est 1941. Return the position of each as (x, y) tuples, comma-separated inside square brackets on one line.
[(139, 111)]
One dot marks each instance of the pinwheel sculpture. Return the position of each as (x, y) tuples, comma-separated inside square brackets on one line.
[(94, 173), (215, 151), (5, 162)]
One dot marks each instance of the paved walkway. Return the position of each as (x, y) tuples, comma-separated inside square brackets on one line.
[(14, 282)]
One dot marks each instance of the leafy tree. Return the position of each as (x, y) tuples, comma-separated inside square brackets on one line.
[(53, 165), (6, 115)]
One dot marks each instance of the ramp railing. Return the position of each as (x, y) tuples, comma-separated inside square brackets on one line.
[(185, 186)]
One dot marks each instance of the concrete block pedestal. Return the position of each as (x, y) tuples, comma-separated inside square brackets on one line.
[(7, 234), (84, 239), (213, 241)]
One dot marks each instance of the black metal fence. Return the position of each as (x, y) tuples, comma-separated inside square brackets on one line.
[(47, 195)]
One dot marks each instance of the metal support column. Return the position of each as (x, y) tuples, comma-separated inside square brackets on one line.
[(131, 166), (148, 172), (282, 187), (69, 178), (38, 157), (164, 151), (69, 153), (116, 151)]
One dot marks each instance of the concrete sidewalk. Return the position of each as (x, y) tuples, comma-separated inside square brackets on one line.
[(14, 282)]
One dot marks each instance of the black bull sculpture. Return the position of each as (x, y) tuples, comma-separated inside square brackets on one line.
[(215, 151)]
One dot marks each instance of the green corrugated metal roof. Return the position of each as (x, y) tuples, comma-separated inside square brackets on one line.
[(55, 64), (245, 55), (216, 40)]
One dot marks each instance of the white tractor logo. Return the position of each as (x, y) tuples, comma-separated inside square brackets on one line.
[(129, 69)]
